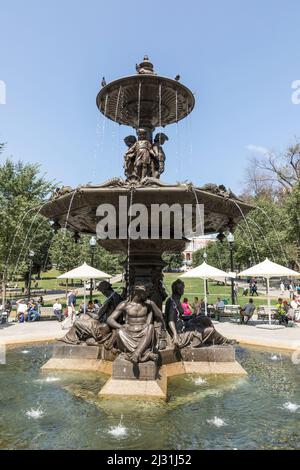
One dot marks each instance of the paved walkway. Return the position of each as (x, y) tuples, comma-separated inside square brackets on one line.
[(287, 338), (23, 333)]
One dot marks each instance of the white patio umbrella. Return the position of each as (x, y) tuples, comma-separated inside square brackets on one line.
[(84, 272), (205, 271), (268, 269)]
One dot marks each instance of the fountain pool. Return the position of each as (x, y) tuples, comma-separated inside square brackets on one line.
[(61, 410)]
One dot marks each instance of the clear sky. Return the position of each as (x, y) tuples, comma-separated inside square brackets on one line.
[(239, 57)]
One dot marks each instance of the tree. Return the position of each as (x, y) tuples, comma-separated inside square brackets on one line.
[(66, 254), (292, 212), (22, 228), (274, 172), (172, 260)]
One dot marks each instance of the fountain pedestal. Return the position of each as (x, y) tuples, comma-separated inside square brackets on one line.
[(146, 380)]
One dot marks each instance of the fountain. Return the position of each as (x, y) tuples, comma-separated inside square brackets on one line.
[(140, 363)]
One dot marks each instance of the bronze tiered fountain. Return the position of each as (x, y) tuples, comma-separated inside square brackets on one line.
[(144, 101)]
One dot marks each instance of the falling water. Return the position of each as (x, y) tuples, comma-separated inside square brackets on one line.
[(139, 105), (198, 209), (274, 228), (26, 237), (247, 225), (159, 105), (189, 129), (117, 103), (22, 217), (66, 222), (263, 235), (178, 169), (128, 241), (103, 124)]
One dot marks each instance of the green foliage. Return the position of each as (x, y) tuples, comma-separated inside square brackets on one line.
[(65, 254), (22, 191), (217, 255), (172, 260), (271, 230)]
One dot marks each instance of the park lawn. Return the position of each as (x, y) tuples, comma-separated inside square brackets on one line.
[(193, 287)]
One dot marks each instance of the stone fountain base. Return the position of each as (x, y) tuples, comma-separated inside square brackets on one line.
[(144, 380)]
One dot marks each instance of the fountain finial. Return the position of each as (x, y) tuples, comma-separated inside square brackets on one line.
[(145, 67)]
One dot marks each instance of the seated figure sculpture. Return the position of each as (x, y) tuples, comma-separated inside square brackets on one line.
[(196, 332), (92, 327), (137, 337)]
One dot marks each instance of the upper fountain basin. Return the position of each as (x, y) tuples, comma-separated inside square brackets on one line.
[(145, 101)]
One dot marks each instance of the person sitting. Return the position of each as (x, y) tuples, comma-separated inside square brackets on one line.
[(57, 310), (196, 306), (97, 305), (187, 311), (247, 311), (33, 313), (5, 311), (21, 310), (281, 313)]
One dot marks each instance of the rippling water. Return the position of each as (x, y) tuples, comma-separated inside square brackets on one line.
[(60, 410)]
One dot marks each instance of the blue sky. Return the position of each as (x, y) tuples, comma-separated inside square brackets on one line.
[(238, 57)]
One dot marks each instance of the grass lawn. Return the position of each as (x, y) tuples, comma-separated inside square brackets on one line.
[(193, 287)]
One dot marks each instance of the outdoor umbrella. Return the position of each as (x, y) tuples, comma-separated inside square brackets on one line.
[(205, 271), (84, 272), (268, 269)]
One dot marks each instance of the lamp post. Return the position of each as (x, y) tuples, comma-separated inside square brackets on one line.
[(31, 255), (93, 243), (230, 239)]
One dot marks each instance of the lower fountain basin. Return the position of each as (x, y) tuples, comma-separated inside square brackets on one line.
[(62, 410)]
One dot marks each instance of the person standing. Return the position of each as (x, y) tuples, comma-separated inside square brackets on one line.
[(291, 290), (282, 288), (72, 304)]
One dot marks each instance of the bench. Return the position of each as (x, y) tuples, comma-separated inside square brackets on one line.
[(229, 311)]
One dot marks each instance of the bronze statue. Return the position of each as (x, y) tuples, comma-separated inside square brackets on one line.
[(137, 338), (91, 326), (139, 156), (129, 157), (193, 333), (158, 162)]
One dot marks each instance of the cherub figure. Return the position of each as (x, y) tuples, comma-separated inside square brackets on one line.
[(139, 155), (129, 157), (158, 162)]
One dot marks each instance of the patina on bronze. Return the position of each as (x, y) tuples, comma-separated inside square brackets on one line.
[(143, 101), (137, 338), (91, 327), (194, 333)]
